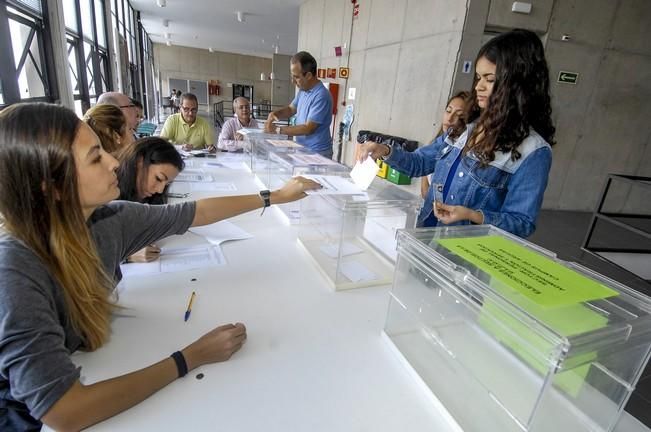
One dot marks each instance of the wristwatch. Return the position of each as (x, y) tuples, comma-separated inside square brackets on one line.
[(265, 196)]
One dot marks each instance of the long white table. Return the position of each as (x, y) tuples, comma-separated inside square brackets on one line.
[(314, 360)]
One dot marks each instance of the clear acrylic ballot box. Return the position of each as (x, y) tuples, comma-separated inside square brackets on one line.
[(509, 338), (260, 146), (284, 166), (351, 238)]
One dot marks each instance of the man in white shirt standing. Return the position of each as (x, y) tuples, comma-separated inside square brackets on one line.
[(229, 139)]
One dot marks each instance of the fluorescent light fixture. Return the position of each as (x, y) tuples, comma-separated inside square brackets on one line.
[(521, 7), (166, 22), (241, 16), (161, 3)]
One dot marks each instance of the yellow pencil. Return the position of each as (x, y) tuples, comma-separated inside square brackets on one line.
[(187, 312)]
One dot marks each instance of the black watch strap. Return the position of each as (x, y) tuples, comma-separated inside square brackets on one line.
[(265, 195)]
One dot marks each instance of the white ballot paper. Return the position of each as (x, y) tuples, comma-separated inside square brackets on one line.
[(221, 231), (188, 187), (364, 173), (333, 185), (357, 272), (178, 259), (284, 143), (246, 131), (193, 175), (347, 248)]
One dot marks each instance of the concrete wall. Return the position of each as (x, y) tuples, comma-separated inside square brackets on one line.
[(401, 54), (603, 123), (406, 57), (282, 90), (202, 65)]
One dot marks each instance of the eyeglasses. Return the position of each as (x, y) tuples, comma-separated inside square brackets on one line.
[(190, 110)]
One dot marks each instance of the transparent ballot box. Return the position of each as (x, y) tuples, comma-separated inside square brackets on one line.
[(284, 166), (351, 238), (509, 338), (260, 146)]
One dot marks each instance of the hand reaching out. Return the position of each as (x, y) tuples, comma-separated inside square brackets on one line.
[(293, 190)]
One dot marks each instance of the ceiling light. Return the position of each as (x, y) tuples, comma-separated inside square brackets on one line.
[(241, 16), (169, 43), (166, 22), (210, 49), (161, 3)]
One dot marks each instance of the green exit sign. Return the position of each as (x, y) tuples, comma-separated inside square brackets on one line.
[(568, 77)]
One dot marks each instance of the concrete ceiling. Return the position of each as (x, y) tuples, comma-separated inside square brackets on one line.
[(214, 24)]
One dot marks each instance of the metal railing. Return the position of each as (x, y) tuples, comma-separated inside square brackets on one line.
[(630, 231)]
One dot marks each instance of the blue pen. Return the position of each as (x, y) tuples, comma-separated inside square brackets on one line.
[(187, 312)]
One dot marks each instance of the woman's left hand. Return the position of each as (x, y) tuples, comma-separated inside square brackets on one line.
[(448, 214)]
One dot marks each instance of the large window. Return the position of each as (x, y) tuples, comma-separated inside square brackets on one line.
[(87, 51), (128, 48), (25, 69)]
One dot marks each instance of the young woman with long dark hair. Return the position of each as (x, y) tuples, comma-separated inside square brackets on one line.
[(492, 168)]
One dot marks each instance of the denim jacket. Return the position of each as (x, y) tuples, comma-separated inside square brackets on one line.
[(508, 193)]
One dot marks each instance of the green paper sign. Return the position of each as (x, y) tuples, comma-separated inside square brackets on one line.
[(537, 278)]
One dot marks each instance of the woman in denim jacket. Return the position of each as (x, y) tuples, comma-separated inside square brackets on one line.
[(493, 167)]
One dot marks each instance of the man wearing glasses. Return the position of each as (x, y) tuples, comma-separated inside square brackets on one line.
[(123, 102), (312, 106), (188, 129)]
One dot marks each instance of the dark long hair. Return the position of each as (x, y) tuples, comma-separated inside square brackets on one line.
[(40, 206), (151, 151), (520, 99)]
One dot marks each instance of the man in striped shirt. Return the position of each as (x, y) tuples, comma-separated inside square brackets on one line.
[(229, 139)]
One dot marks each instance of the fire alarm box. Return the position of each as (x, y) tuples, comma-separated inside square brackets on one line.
[(334, 92), (213, 88)]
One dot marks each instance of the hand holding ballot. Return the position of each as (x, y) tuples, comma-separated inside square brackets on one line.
[(372, 149), (293, 190)]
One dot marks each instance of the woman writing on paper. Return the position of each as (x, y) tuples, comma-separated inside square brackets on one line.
[(61, 243), (146, 170)]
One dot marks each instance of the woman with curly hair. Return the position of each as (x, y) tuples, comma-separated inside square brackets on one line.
[(493, 167)]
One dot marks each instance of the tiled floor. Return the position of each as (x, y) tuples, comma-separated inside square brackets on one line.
[(562, 232)]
